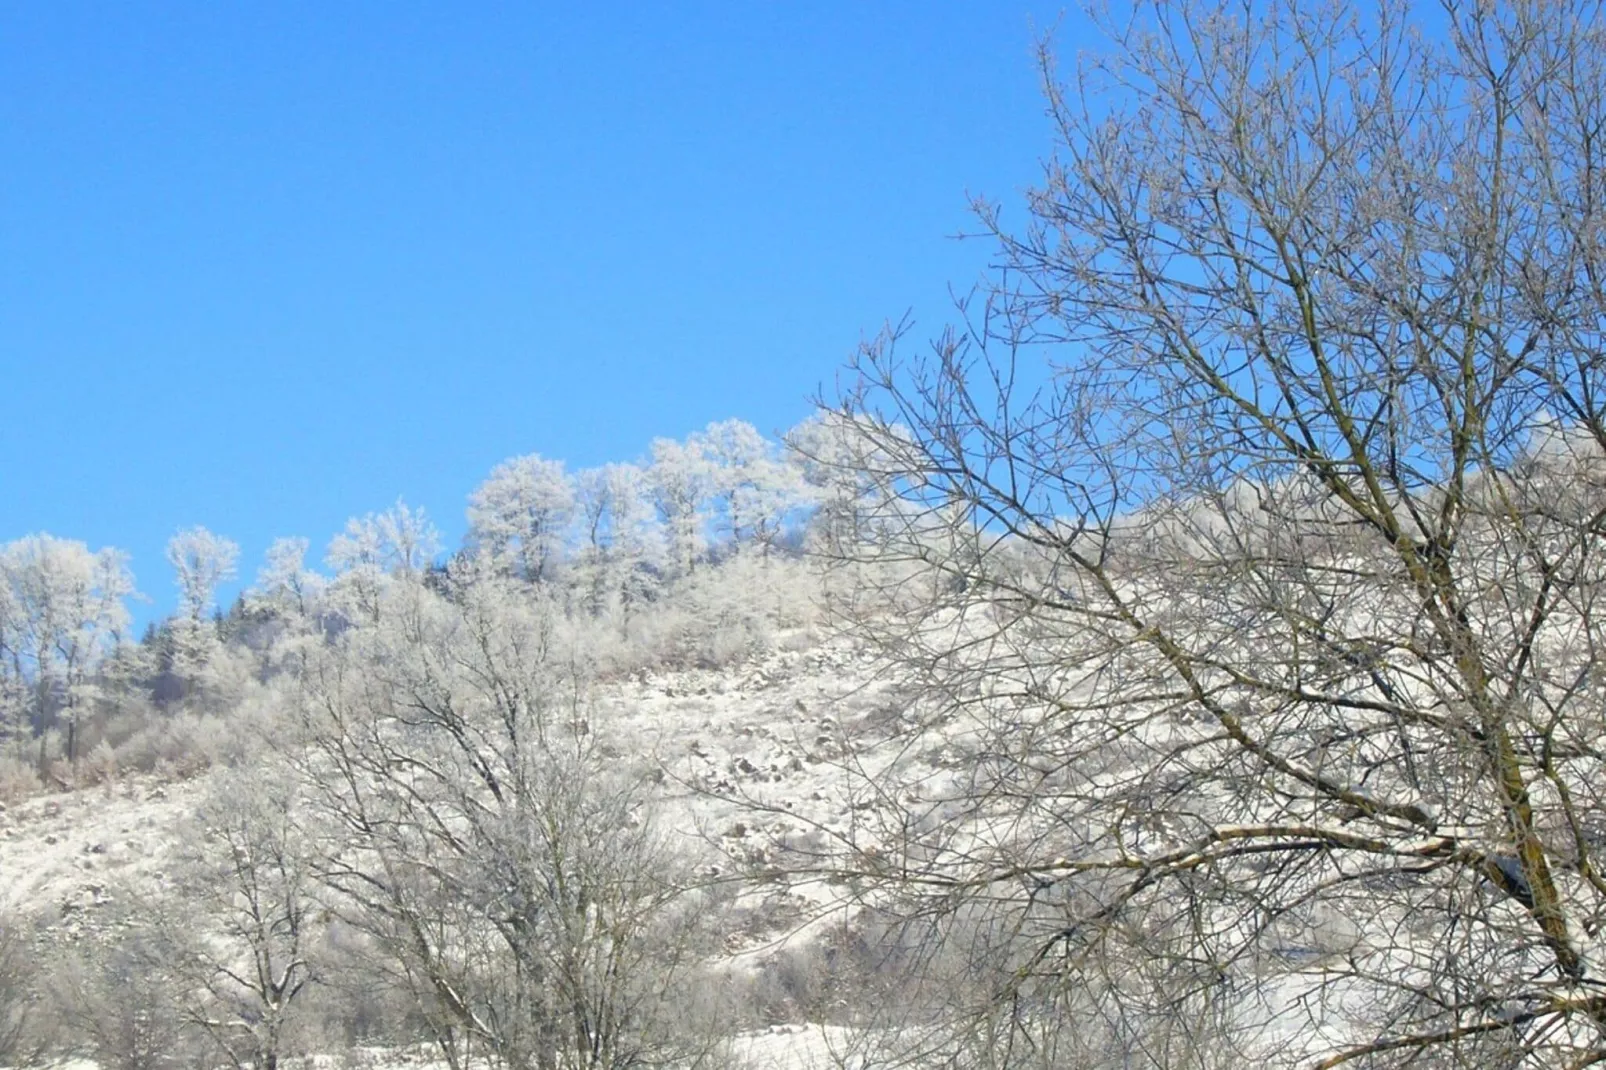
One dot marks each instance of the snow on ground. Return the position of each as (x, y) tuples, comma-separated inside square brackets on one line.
[(773, 729), (776, 729), (780, 730), (63, 855), (798, 1047), (753, 763), (780, 1047)]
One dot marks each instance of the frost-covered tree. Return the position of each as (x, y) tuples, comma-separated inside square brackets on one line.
[(618, 537), (64, 610), (849, 478), (400, 541), (201, 561), (13, 688), (237, 925), (756, 490), (520, 515), (502, 859), (114, 993), (681, 482), (284, 583), (1227, 553)]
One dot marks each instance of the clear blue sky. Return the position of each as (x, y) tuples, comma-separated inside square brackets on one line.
[(264, 266)]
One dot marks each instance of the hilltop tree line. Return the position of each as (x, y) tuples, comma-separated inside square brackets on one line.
[(607, 540)]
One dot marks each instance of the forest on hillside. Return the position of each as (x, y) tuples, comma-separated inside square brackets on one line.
[(1205, 664), (605, 544)]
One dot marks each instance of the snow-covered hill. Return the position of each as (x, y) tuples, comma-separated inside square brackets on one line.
[(753, 766)]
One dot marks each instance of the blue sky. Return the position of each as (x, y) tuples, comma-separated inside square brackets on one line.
[(267, 266)]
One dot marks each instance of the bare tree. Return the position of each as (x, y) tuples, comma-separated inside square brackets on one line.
[(20, 1041), (237, 927), (1246, 548), (116, 995), (473, 827)]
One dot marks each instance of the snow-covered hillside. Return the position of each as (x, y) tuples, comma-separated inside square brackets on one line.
[(753, 766)]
